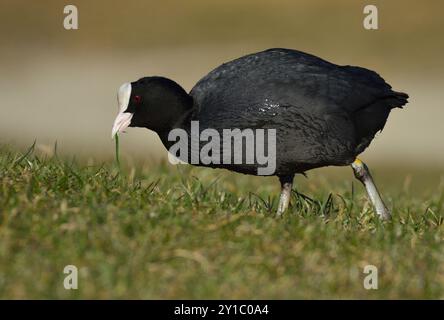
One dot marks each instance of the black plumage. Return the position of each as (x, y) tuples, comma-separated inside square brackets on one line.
[(324, 114)]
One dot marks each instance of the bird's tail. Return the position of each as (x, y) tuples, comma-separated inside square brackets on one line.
[(372, 119), (397, 99)]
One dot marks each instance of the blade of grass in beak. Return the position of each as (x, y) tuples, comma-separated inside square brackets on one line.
[(117, 151)]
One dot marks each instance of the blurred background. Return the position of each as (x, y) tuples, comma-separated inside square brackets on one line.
[(60, 85)]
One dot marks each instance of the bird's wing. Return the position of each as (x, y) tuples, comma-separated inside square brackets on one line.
[(311, 99), (288, 77)]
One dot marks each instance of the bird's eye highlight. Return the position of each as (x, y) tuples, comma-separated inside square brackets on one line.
[(137, 99)]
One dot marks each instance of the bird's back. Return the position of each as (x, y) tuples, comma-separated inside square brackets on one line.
[(324, 113)]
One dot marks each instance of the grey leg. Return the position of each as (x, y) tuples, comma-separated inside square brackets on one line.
[(362, 173), (284, 200)]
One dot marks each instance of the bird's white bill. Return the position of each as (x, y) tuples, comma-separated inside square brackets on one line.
[(123, 119), (122, 122)]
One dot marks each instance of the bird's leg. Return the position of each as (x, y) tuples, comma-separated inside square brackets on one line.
[(284, 200), (362, 173)]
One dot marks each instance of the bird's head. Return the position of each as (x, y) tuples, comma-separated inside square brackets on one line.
[(155, 103)]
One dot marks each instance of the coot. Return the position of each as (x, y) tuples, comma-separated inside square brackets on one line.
[(300, 111)]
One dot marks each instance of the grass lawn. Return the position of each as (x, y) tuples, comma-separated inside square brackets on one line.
[(158, 231)]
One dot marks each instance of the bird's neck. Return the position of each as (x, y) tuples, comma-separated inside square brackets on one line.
[(171, 105), (182, 122)]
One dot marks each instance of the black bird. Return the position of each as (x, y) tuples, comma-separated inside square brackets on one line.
[(323, 114)]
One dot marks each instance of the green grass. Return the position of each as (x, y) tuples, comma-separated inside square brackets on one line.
[(156, 231)]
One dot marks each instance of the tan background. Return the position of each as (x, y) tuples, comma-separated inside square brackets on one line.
[(59, 85)]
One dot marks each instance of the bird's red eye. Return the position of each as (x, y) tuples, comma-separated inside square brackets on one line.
[(137, 99)]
